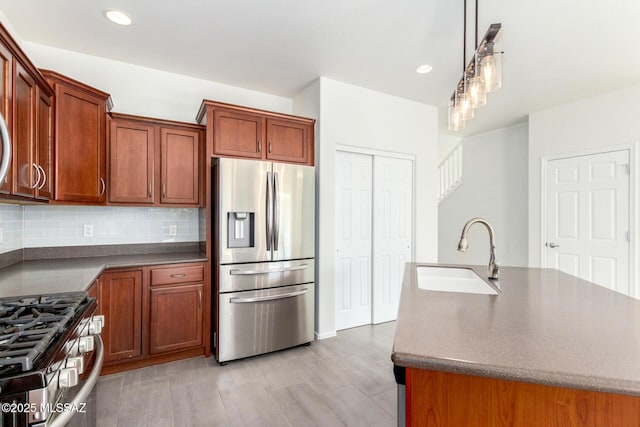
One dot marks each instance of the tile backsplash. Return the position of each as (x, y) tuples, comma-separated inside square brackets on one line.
[(47, 226), (11, 228)]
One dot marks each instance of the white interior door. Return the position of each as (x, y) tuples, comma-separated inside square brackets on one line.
[(353, 239), (392, 225), (588, 218)]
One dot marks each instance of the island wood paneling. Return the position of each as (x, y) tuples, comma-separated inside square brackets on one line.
[(441, 399)]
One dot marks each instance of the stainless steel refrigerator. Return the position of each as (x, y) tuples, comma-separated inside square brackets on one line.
[(264, 250)]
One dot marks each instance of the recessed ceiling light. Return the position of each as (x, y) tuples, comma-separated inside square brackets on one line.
[(424, 69), (117, 17)]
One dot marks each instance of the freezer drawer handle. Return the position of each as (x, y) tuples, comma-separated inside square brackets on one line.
[(237, 272), (268, 298)]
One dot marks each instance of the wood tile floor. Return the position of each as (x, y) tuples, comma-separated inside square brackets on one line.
[(342, 381)]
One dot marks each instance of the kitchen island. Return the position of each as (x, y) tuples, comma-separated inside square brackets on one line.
[(549, 349)]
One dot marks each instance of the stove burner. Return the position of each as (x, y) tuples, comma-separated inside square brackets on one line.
[(28, 325)]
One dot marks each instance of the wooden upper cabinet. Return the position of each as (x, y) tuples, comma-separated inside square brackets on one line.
[(6, 104), (180, 166), (44, 145), (154, 162), (25, 171), (237, 135), (288, 141), (80, 140), (131, 162), (235, 131)]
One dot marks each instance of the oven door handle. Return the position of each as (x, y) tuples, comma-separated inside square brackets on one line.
[(268, 298), (63, 418), (238, 272)]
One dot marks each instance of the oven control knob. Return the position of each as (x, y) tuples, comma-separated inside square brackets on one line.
[(76, 362), (68, 377), (85, 344), (96, 324)]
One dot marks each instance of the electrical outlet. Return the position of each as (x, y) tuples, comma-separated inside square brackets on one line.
[(88, 230), (173, 230)]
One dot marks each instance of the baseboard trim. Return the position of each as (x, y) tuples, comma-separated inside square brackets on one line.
[(325, 335)]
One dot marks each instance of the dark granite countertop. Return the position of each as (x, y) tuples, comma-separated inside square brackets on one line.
[(76, 274), (544, 327)]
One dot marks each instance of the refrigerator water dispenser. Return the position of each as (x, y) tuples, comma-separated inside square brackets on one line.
[(240, 229)]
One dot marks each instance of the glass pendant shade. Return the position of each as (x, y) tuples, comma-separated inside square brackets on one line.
[(476, 91), (491, 67), (455, 119), (463, 105)]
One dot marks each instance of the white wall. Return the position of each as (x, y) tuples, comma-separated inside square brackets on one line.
[(146, 91), (446, 144), (494, 187), (351, 115), (597, 122)]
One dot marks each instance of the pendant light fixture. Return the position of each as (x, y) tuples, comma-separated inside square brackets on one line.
[(483, 74)]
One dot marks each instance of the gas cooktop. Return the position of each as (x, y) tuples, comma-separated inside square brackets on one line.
[(28, 325)]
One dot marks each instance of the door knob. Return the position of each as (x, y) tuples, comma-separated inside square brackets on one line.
[(552, 245)]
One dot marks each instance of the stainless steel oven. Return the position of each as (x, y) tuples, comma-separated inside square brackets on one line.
[(50, 359)]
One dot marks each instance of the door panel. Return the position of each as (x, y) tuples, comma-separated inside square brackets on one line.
[(25, 173), (241, 188), (354, 188), (44, 138), (588, 218), (6, 96), (294, 211), (287, 141), (131, 162), (393, 194), (180, 165), (238, 134)]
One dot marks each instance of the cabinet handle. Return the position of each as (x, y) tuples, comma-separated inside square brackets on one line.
[(44, 177), (269, 146), (199, 298), (178, 275), (104, 187), (164, 190), (259, 146), (35, 184), (149, 188)]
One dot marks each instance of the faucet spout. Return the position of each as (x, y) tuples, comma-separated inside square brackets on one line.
[(493, 267)]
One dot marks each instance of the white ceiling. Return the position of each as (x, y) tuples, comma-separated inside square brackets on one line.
[(556, 51)]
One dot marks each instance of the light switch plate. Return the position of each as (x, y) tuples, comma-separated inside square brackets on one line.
[(88, 230), (173, 230)]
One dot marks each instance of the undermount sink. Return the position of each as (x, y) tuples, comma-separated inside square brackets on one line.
[(452, 279)]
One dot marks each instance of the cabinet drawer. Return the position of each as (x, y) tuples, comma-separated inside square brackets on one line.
[(165, 276)]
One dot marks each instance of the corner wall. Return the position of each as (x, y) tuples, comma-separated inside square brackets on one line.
[(494, 187), (355, 116)]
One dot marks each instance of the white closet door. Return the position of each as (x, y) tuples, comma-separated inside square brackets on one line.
[(353, 239), (588, 218), (392, 230)]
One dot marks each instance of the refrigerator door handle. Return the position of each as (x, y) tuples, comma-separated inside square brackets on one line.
[(268, 298), (269, 212), (276, 211), (237, 272)]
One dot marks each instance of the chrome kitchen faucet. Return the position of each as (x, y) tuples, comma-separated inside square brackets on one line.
[(493, 268)]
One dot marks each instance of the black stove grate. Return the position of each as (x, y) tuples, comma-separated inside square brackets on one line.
[(28, 325)]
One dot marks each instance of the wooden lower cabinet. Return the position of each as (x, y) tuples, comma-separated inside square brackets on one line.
[(176, 318), (441, 399), (121, 304), (152, 314)]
